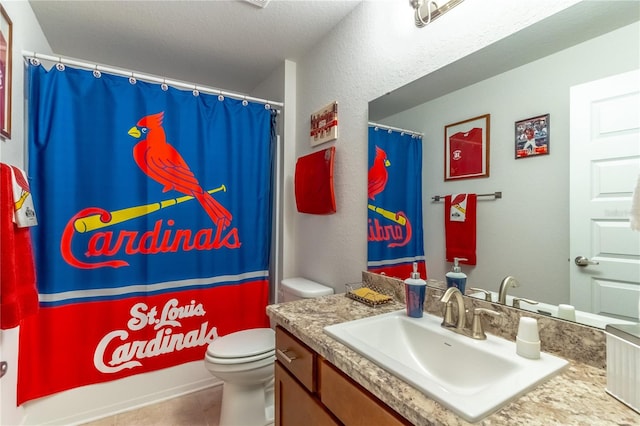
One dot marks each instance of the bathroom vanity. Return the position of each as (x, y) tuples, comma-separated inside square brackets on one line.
[(332, 384), (309, 390)]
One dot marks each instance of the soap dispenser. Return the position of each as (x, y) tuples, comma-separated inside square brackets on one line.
[(455, 277), (415, 288)]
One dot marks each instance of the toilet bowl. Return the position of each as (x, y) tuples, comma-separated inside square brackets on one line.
[(244, 361)]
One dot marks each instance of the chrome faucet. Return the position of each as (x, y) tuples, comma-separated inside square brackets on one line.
[(446, 297), (507, 282)]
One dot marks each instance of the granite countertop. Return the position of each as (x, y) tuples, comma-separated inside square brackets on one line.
[(574, 397)]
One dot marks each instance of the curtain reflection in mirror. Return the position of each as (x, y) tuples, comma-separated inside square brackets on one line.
[(395, 233)]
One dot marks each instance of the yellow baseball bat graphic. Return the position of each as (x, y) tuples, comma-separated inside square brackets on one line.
[(388, 214), (93, 222), (21, 200)]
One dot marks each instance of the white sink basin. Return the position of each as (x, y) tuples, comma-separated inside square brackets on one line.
[(473, 378)]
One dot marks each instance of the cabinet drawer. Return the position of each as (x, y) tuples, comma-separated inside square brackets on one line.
[(351, 403), (296, 357), (295, 406)]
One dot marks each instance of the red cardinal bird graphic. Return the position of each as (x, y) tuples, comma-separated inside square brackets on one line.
[(378, 174), (164, 164), (20, 180)]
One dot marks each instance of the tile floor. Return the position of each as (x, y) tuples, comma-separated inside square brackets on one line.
[(200, 408)]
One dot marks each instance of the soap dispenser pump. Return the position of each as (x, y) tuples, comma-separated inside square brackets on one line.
[(455, 277), (415, 289)]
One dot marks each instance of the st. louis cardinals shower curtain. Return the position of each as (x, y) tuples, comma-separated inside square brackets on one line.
[(395, 237), (154, 209)]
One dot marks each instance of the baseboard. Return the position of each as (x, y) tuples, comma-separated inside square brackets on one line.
[(89, 403)]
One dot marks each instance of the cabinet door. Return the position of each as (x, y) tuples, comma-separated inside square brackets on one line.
[(296, 357), (294, 405), (351, 403)]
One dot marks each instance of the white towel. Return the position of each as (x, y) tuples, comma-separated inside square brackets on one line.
[(635, 208), (458, 211)]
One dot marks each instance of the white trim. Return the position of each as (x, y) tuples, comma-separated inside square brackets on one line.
[(168, 285), (373, 263)]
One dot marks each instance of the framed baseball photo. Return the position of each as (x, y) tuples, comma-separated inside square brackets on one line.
[(532, 136)]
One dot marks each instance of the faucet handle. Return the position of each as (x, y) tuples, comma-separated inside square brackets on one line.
[(477, 331), (517, 300), (487, 293)]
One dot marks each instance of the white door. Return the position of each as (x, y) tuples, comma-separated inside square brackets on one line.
[(604, 169)]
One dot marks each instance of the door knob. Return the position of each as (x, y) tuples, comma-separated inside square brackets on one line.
[(583, 261)]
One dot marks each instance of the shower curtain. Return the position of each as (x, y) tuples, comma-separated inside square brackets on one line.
[(154, 208), (395, 236)]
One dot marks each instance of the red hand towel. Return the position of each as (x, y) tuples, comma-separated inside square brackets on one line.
[(460, 227), (18, 294), (313, 182)]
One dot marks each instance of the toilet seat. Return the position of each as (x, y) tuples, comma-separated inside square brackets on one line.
[(240, 360), (242, 347)]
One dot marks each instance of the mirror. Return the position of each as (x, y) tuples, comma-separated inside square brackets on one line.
[(524, 234)]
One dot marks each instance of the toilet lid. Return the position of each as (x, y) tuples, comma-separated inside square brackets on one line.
[(243, 343)]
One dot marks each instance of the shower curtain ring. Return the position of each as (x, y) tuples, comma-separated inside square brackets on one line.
[(244, 101), (164, 86), (96, 72), (132, 79), (60, 65), (195, 92)]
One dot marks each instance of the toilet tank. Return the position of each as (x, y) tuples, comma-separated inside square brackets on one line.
[(301, 288)]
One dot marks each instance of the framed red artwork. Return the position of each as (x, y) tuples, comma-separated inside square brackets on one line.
[(466, 148), (324, 124), (6, 40)]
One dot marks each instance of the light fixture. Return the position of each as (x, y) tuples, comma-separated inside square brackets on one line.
[(260, 3), (427, 11)]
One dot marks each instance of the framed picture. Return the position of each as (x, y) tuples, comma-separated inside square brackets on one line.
[(6, 39), (466, 148), (532, 136), (324, 124)]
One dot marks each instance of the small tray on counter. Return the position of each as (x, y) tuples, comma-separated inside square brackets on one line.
[(369, 295)]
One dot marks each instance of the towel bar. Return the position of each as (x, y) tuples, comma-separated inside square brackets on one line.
[(495, 195)]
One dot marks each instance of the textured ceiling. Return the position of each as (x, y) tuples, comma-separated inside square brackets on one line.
[(230, 45)]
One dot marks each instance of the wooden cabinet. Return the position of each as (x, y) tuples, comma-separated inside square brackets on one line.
[(311, 391), (350, 402), (295, 406), (296, 357), (296, 385)]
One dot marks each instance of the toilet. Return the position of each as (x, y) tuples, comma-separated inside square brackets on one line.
[(244, 362)]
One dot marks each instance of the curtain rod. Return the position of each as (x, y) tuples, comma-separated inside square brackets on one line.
[(397, 129), (145, 77)]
